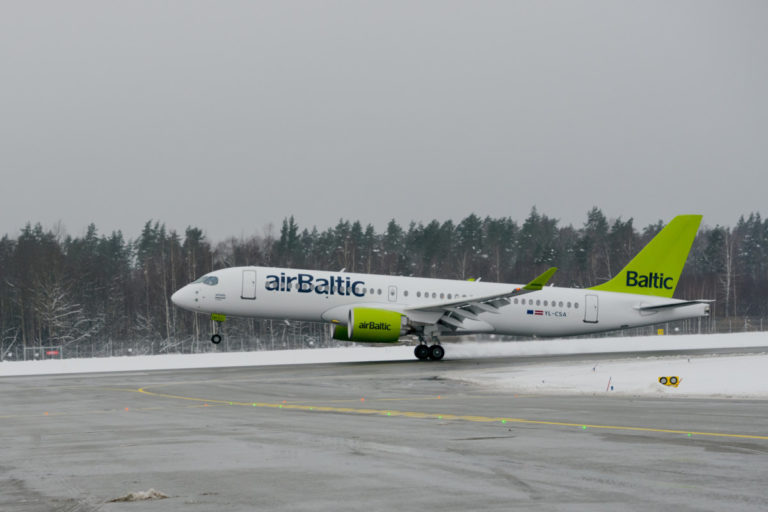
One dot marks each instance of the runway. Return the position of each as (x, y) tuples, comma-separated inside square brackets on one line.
[(374, 436)]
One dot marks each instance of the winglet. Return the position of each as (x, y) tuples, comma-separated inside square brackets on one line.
[(539, 282)]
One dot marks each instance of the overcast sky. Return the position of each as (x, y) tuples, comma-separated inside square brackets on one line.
[(231, 115)]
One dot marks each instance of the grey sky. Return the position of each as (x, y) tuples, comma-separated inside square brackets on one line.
[(231, 115)]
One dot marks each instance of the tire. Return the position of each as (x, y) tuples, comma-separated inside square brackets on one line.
[(421, 352), (216, 339), (673, 380), (436, 352), (663, 380)]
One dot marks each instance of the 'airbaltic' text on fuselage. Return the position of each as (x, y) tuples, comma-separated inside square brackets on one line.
[(307, 283)]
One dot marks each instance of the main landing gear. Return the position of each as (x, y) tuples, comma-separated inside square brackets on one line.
[(217, 321), (426, 352)]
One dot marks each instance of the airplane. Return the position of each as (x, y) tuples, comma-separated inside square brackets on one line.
[(373, 308)]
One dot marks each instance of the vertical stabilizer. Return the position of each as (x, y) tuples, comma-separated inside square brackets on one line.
[(657, 268)]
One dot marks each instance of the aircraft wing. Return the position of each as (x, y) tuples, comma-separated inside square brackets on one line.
[(456, 311)]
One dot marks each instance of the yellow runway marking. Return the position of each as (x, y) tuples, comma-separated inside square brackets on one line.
[(440, 416)]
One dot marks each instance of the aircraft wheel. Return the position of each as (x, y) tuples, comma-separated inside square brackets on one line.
[(216, 339), (436, 352), (662, 380), (673, 380), (421, 352)]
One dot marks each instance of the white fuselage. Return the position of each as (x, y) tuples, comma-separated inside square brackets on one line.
[(324, 296)]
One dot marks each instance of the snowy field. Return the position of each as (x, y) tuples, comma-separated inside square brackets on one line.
[(738, 376), (732, 375)]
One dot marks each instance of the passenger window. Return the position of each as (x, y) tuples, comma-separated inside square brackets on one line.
[(434, 295), (405, 293), (545, 302), (379, 291), (418, 294), (568, 304), (515, 301), (576, 305), (538, 302), (560, 304), (442, 295), (449, 295)]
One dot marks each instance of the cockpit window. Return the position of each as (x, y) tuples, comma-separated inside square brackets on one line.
[(209, 280)]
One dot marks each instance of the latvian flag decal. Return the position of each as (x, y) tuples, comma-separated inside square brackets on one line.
[(537, 312)]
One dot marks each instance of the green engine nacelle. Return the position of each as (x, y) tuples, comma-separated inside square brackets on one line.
[(371, 326)]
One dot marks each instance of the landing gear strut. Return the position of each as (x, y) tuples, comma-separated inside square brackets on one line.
[(217, 321)]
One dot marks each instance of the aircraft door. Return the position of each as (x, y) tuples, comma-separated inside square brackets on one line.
[(590, 309), (393, 294), (249, 285)]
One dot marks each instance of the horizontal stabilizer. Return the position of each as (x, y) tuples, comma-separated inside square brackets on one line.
[(680, 304)]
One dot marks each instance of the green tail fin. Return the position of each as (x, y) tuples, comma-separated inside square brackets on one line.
[(656, 269)]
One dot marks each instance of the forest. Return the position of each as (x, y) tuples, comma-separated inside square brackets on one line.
[(102, 294)]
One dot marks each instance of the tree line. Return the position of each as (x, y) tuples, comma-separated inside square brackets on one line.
[(98, 289)]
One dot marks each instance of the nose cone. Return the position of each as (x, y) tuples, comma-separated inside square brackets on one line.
[(183, 298)]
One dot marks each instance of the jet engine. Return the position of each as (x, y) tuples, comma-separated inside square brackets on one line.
[(372, 325)]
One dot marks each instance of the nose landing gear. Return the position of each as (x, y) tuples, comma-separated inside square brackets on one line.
[(217, 321)]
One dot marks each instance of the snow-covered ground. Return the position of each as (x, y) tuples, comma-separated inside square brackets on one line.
[(733, 375), (699, 376)]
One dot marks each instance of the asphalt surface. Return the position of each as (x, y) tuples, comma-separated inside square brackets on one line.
[(368, 436)]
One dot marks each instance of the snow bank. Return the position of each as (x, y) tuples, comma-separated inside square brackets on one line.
[(355, 353), (208, 360)]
